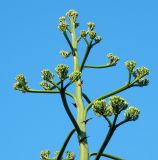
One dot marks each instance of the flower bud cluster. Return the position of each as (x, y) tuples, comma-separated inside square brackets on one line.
[(46, 85), (72, 15), (47, 75), (130, 65), (75, 76), (132, 113), (62, 71), (97, 39), (20, 83), (44, 155), (140, 72), (112, 59), (101, 109), (65, 54), (62, 24), (118, 104), (143, 82), (83, 33), (91, 26), (70, 155)]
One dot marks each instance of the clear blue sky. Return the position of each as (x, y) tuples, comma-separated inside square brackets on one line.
[(30, 42)]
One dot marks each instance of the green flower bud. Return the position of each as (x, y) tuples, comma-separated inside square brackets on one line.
[(132, 113), (62, 19), (72, 15), (44, 155), (98, 39), (75, 76), (63, 26), (118, 104), (140, 72), (130, 65), (47, 75), (113, 59), (65, 54), (92, 34), (70, 155), (57, 154), (99, 107), (21, 83), (143, 82), (45, 85), (21, 79), (62, 71), (91, 26), (83, 33)]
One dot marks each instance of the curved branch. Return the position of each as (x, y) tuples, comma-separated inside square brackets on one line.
[(110, 94), (107, 155), (99, 67), (63, 97), (86, 97), (69, 42), (65, 144), (86, 55), (108, 120), (49, 91)]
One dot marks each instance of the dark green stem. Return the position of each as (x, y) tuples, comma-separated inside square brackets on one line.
[(107, 155), (122, 122), (65, 144), (86, 55), (63, 97), (98, 67), (107, 139), (110, 94), (108, 120), (69, 42), (86, 97)]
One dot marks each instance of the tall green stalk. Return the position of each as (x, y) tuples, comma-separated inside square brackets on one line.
[(101, 108)]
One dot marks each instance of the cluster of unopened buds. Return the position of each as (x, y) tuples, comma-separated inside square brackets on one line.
[(44, 155), (132, 113), (92, 34), (75, 76), (70, 155), (112, 59), (115, 106), (20, 83), (138, 74), (65, 54), (101, 109), (62, 71)]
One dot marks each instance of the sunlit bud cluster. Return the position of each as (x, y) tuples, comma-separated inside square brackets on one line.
[(91, 26), (132, 113), (140, 72), (75, 76), (47, 75), (112, 59), (70, 155), (130, 65), (83, 33), (143, 82), (62, 71), (65, 54), (92, 34), (20, 83), (118, 104), (44, 155), (72, 15), (98, 39), (45, 85), (100, 108), (62, 24)]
